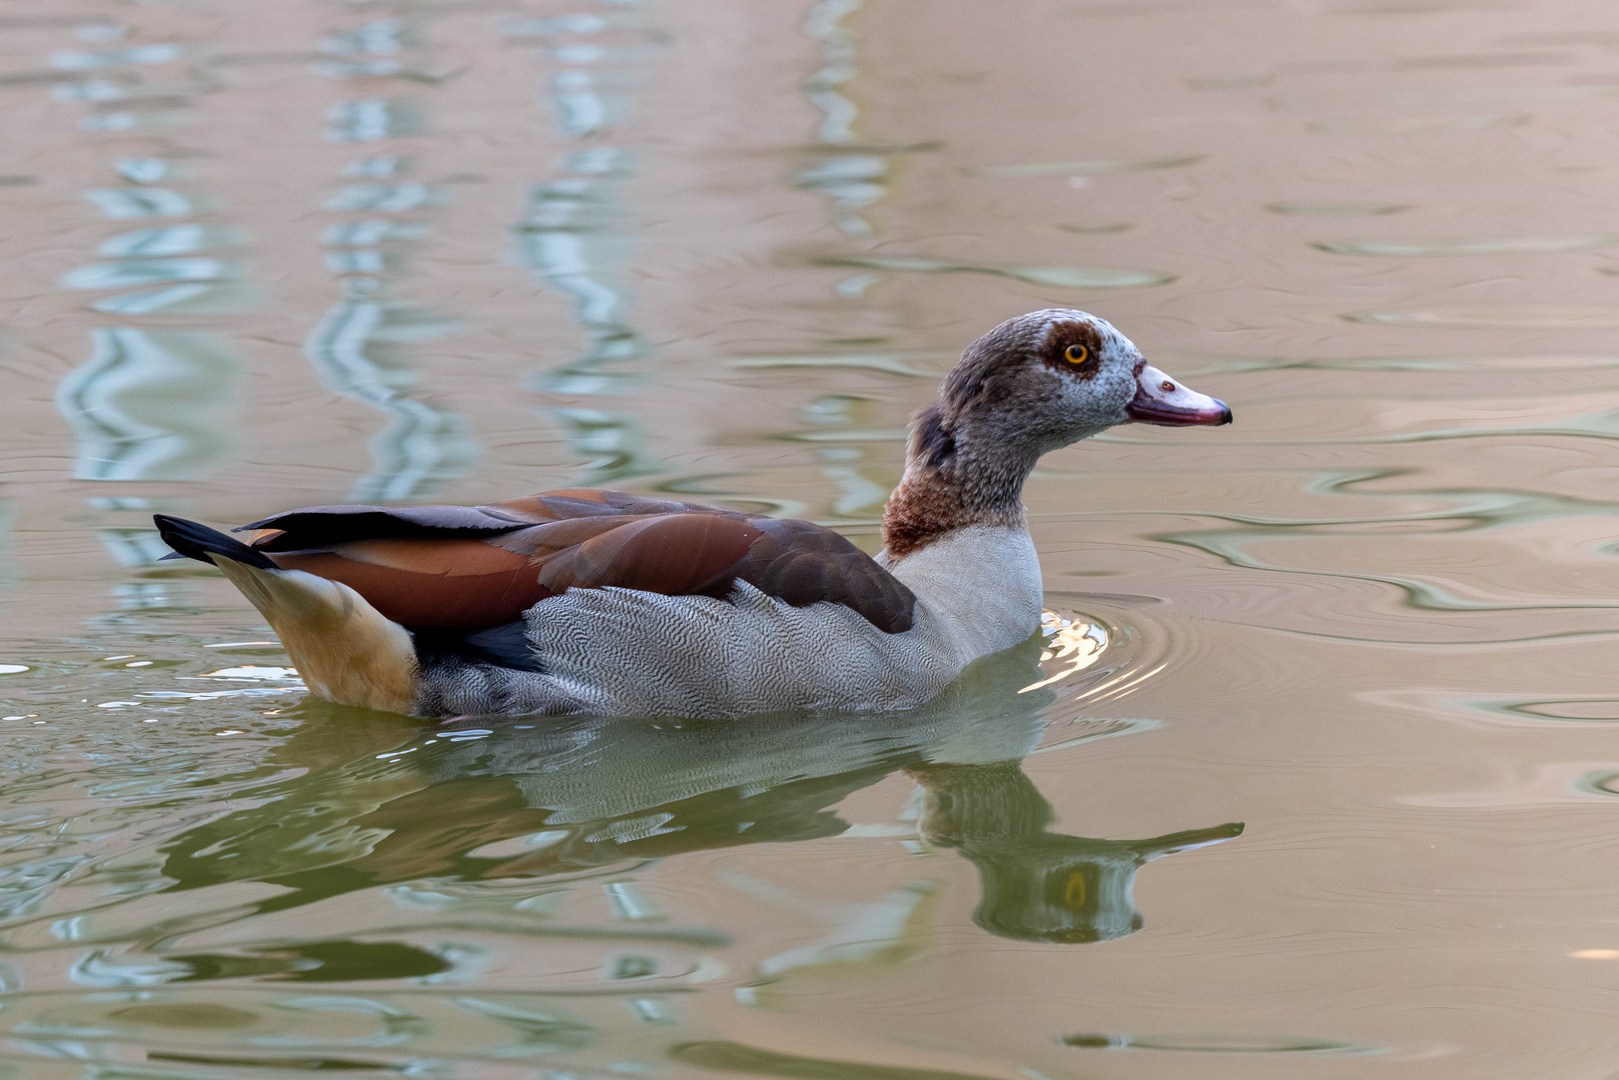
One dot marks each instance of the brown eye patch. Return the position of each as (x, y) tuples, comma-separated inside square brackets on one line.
[(1073, 347)]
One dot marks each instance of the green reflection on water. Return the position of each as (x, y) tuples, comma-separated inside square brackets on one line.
[(573, 797), (1219, 1043), (422, 877), (736, 1057)]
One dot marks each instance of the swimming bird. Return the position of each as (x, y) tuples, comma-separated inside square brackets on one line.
[(593, 602)]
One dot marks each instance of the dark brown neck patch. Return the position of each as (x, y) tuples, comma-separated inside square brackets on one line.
[(929, 503)]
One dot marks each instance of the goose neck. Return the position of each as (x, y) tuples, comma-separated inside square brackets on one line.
[(954, 481)]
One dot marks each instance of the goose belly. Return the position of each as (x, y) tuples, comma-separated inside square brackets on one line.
[(626, 652)]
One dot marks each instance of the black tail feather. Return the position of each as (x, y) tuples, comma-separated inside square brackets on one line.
[(194, 541)]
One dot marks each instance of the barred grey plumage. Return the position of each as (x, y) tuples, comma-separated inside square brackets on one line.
[(626, 652)]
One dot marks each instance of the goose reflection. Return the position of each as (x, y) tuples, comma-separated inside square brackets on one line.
[(1039, 885), (587, 797)]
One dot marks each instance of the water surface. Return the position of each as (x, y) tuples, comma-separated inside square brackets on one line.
[(1312, 774)]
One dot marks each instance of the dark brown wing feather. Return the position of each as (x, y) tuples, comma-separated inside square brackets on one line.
[(470, 567), (804, 564)]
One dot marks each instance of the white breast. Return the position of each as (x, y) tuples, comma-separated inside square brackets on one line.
[(980, 584)]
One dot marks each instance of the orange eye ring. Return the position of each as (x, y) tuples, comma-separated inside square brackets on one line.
[(1077, 354)]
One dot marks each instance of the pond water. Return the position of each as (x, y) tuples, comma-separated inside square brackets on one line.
[(1343, 674)]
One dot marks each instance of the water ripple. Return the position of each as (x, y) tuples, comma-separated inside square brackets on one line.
[(1475, 245), (1499, 316), (1062, 276)]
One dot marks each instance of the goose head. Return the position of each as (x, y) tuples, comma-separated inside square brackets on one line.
[(1050, 378), (1031, 385)]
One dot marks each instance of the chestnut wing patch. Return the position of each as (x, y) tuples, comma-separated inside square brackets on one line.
[(437, 583)]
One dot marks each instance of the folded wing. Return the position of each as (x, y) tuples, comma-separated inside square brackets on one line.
[(467, 568)]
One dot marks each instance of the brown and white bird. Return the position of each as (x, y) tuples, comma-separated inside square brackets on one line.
[(599, 602)]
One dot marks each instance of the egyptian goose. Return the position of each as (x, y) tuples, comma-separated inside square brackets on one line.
[(599, 602)]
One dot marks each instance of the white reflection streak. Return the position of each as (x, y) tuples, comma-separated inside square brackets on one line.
[(421, 444), (353, 344), (838, 51), (1118, 687), (570, 240), (850, 181), (146, 405), (884, 930)]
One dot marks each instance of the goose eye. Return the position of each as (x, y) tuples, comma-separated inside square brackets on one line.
[(1077, 354)]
